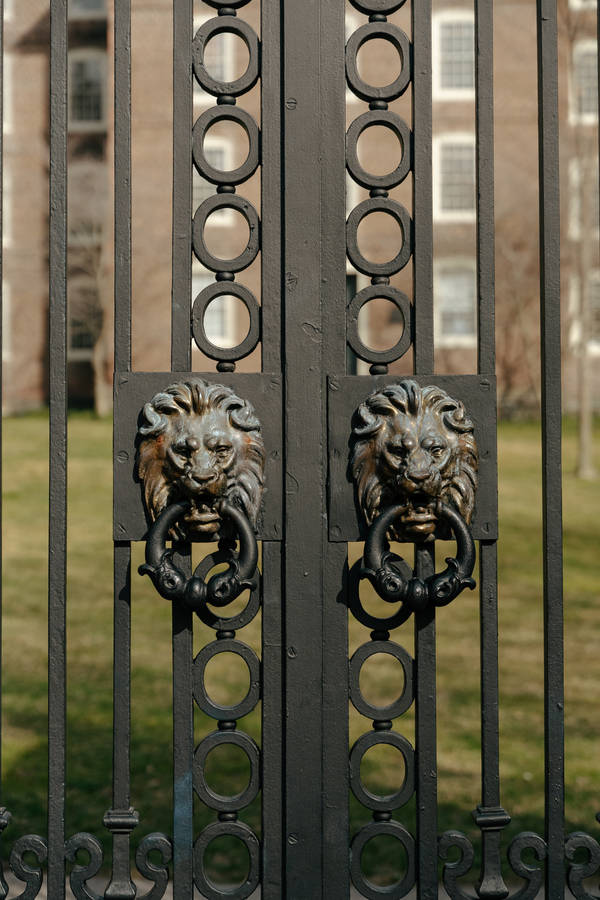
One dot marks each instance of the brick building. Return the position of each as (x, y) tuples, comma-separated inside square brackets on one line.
[(90, 190)]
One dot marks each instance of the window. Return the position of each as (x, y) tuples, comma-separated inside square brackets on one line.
[(6, 207), (6, 321), (582, 4), (83, 9), (87, 89), (594, 302), (453, 56), (455, 291), (454, 178), (7, 93), (85, 318), (218, 155), (584, 83), (219, 317), (9, 10), (584, 209)]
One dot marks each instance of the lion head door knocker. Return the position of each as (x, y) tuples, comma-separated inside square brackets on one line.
[(414, 464), (201, 460)]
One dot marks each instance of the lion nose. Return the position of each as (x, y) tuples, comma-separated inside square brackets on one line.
[(203, 476), (418, 476)]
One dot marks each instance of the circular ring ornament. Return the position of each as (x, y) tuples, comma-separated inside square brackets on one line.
[(361, 882), (227, 829), (369, 6), (400, 215), (226, 623), (245, 208), (365, 796), (401, 302), (204, 298), (399, 40), (226, 114), (403, 702), (201, 695), (231, 4), (398, 126), (355, 606), (209, 30), (204, 792)]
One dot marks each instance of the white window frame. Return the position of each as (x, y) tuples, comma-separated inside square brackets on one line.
[(582, 4), (445, 215), (224, 217), (82, 53), (75, 13), (453, 340), (7, 207), (9, 10), (574, 219), (8, 100), (575, 117), (201, 278), (439, 19), (6, 321)]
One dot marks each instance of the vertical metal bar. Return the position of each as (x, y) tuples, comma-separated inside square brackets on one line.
[(122, 175), (303, 449), (270, 174), (181, 336), (422, 188), (547, 44), (425, 643), (181, 354), (489, 815), (122, 818), (4, 813), (426, 737), (336, 864), (57, 538), (272, 718)]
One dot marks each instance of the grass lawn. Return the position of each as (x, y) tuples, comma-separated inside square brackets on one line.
[(90, 656)]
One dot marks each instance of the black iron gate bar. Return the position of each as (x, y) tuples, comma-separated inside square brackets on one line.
[(305, 847)]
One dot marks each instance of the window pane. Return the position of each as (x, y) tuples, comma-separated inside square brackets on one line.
[(457, 61), (594, 298), (86, 90), (457, 173), (456, 301), (86, 6), (585, 79)]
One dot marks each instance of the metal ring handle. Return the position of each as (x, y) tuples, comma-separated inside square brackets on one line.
[(222, 588), (439, 589)]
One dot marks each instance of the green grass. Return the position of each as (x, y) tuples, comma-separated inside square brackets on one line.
[(89, 620)]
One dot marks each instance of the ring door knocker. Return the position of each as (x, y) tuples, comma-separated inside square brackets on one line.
[(414, 464), (201, 462)]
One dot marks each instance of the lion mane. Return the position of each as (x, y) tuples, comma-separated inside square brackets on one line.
[(187, 400), (407, 398)]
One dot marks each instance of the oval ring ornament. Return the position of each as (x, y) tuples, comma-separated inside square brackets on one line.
[(385, 31)]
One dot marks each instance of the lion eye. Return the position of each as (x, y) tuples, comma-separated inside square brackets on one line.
[(396, 450), (437, 451), (222, 451)]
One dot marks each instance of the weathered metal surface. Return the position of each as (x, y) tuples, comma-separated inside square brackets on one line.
[(202, 443), (132, 393), (347, 521)]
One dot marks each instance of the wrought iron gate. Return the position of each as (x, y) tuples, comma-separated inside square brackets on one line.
[(288, 429)]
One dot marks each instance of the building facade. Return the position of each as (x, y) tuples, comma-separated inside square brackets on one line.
[(25, 192)]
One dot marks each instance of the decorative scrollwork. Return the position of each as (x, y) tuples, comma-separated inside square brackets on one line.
[(172, 584), (32, 876), (455, 869), (439, 589), (159, 874), (577, 871), (527, 840), (81, 873)]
